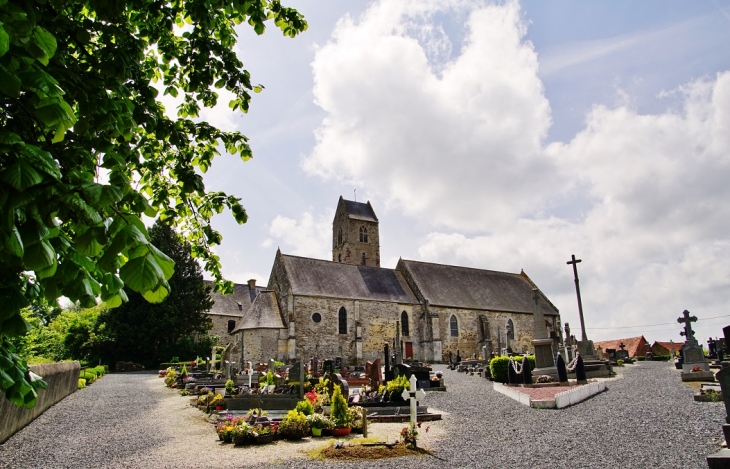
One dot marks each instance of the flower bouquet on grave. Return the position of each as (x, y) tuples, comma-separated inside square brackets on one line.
[(409, 435), (357, 420), (262, 434), (218, 402), (318, 422), (697, 369), (241, 434), (294, 426), (545, 379)]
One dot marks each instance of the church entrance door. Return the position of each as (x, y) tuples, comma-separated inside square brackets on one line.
[(409, 350)]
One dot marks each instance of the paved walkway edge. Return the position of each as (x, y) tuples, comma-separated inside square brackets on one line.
[(562, 400)]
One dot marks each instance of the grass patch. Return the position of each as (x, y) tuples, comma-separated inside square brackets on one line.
[(354, 450)]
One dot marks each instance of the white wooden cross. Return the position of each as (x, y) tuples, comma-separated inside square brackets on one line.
[(249, 372), (413, 395)]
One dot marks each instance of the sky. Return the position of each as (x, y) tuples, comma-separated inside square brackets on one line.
[(504, 136)]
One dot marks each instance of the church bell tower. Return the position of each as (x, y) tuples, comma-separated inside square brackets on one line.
[(355, 235)]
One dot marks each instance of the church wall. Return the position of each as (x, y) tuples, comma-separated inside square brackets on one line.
[(220, 328), (377, 321), (468, 326), (259, 345)]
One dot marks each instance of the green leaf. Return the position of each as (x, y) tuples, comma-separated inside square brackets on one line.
[(11, 301), (42, 160), (4, 41), (9, 83), (142, 274), (15, 243), (39, 256), (43, 45), (14, 326), (21, 175), (166, 264), (157, 296), (87, 244)]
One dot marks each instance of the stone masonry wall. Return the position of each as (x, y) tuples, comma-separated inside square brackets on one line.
[(259, 345), (376, 319), (468, 324), (220, 327)]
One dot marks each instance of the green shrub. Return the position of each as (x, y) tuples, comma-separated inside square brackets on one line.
[(399, 384), (619, 362), (305, 407), (641, 358), (498, 366), (340, 414), (294, 426), (82, 383)]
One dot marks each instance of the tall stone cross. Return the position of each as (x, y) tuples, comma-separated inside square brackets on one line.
[(575, 262), (688, 333), (413, 395)]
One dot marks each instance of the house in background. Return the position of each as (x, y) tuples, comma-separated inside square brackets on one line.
[(666, 348), (636, 346)]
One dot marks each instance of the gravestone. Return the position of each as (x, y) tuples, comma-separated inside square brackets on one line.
[(691, 351), (580, 371), (721, 459), (296, 377), (328, 366), (512, 377), (388, 372), (543, 345), (526, 372), (338, 363), (412, 395), (376, 374), (336, 379), (562, 371)]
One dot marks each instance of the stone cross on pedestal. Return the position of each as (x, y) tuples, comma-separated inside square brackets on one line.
[(688, 333), (413, 395), (574, 262)]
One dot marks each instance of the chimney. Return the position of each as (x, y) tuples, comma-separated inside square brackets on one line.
[(252, 284), (240, 305), (252, 292)]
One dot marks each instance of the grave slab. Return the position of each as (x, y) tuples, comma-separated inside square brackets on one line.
[(556, 397)]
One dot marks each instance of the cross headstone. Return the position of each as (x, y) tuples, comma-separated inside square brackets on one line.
[(249, 372), (412, 396), (622, 346), (212, 360), (688, 333)]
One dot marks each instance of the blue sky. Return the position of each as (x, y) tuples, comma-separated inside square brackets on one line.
[(504, 136)]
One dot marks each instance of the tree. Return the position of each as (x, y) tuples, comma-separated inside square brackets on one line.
[(150, 333), (86, 148)]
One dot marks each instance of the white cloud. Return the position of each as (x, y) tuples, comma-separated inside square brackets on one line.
[(307, 236), (437, 145), (459, 142)]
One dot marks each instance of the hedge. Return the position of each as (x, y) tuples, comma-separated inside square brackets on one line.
[(498, 366)]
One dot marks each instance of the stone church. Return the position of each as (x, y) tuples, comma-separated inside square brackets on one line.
[(351, 307)]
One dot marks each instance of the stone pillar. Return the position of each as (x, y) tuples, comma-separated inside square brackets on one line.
[(358, 342), (544, 363)]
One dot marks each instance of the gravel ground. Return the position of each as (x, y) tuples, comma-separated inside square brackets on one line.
[(647, 418)]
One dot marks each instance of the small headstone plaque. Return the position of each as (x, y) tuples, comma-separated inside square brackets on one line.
[(328, 366)]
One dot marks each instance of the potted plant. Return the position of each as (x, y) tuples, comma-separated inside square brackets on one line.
[(341, 417), (294, 426), (231, 388), (262, 434), (357, 420), (218, 402), (241, 434), (318, 422)]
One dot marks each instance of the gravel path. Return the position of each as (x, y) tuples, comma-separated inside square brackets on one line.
[(647, 418)]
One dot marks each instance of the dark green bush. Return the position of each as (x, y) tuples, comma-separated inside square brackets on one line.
[(498, 366)]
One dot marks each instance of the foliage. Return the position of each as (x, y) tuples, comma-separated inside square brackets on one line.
[(409, 435), (82, 383), (340, 415), (294, 426), (356, 414), (320, 421), (305, 407), (545, 379), (217, 400), (170, 378), (86, 149), (619, 362), (712, 395), (184, 371), (184, 392), (498, 366), (267, 379), (150, 333), (398, 385)]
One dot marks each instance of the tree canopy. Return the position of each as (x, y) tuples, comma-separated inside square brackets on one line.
[(147, 333), (86, 148)]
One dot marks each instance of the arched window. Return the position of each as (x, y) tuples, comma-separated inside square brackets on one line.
[(363, 258), (363, 234), (511, 329), (339, 237), (231, 325), (404, 324), (454, 326), (343, 320)]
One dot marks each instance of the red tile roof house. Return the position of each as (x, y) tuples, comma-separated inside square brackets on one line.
[(636, 346), (665, 348)]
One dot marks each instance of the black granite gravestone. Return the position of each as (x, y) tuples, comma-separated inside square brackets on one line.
[(512, 377), (336, 379), (562, 370), (338, 363), (328, 366), (580, 371), (526, 371)]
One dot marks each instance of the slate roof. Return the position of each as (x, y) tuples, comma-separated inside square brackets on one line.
[(228, 305), (315, 277), (360, 211), (634, 345), (464, 287), (264, 313)]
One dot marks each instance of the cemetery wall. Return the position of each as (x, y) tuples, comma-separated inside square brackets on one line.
[(377, 321), (62, 379), (468, 326)]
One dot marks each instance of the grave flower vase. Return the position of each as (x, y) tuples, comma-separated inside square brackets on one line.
[(342, 431), (316, 432)]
